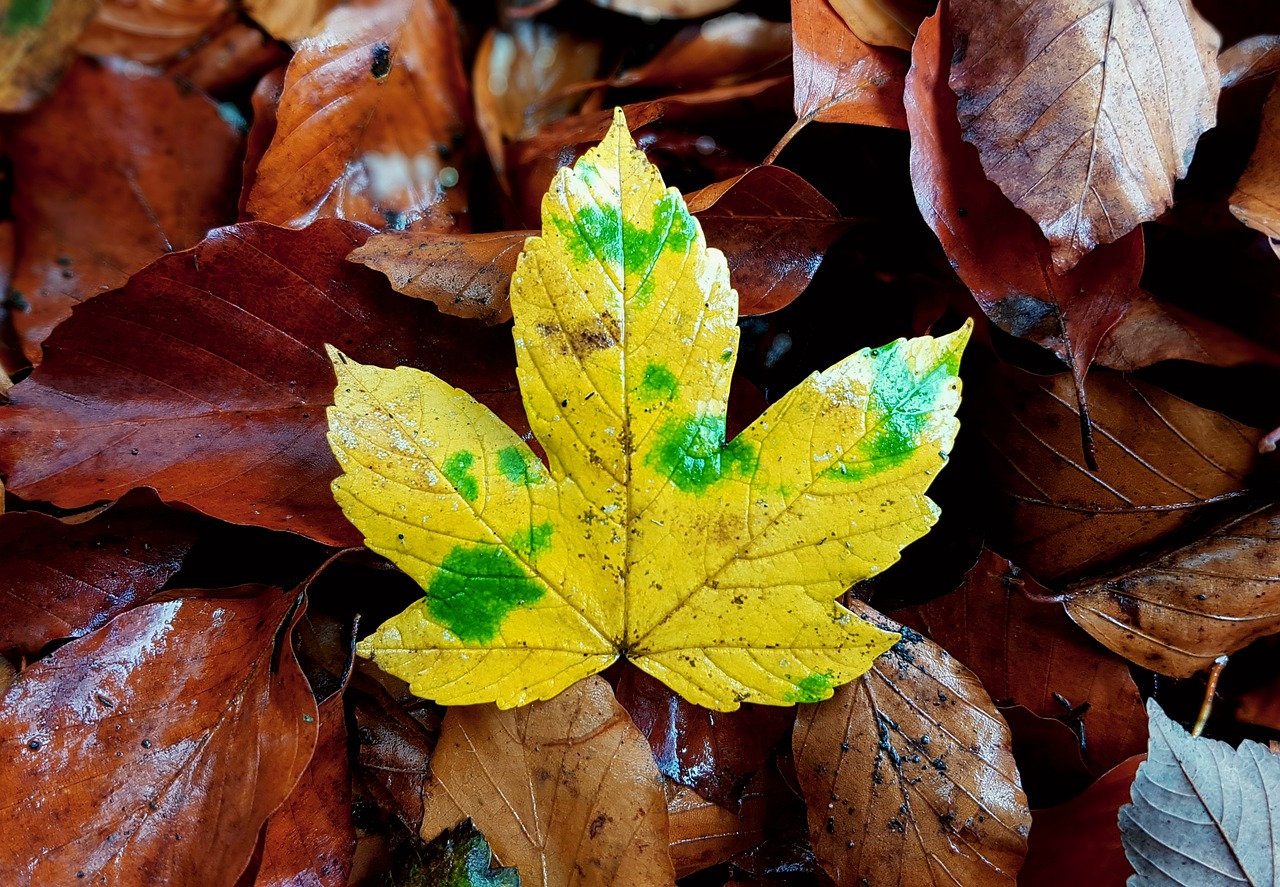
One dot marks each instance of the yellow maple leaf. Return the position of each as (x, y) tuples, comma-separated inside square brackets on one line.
[(712, 565)]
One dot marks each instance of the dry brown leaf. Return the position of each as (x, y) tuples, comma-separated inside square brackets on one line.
[(1084, 112), (1256, 199), (1178, 612), (150, 30), (289, 20), (1026, 651), (884, 22), (704, 834), (371, 123), (730, 48), (565, 790), (1160, 460), (909, 775), (1151, 331), (520, 81), (35, 42), (1250, 59), (652, 10), (231, 60)]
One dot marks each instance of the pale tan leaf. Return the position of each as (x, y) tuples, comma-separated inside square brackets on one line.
[(150, 30), (1256, 200), (653, 10), (1249, 59), (565, 790), (289, 20), (1084, 112), (884, 22)]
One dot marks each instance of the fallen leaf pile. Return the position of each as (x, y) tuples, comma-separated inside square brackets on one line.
[(522, 443)]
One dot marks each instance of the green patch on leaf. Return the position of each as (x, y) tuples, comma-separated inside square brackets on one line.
[(25, 14), (535, 542), (692, 453), (457, 468), (812, 688), (519, 468), (658, 383), (476, 587)]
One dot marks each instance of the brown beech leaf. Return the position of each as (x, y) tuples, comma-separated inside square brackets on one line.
[(1151, 331), (1177, 612), (63, 579), (158, 173), (35, 41), (996, 250), (1256, 199), (153, 750), (704, 834), (651, 10), (565, 790), (1026, 651), (230, 60), (1048, 755), (1160, 458), (150, 30), (1261, 706), (310, 840), (885, 22), (371, 123), (774, 228), (289, 20), (205, 378), (729, 48), (838, 78), (1084, 112), (521, 80), (909, 776), (1078, 842), (714, 753), (1250, 59)]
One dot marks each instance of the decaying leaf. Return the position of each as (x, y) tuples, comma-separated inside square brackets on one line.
[(993, 246), (652, 10), (1027, 652), (1253, 57), (458, 857), (371, 123), (884, 22), (1160, 460), (130, 789), (711, 564), (729, 48), (1151, 331), (565, 790), (908, 774), (1203, 813), (150, 30), (204, 379), (1177, 613), (158, 173), (289, 20), (704, 834), (35, 41), (1084, 112), (62, 579), (1256, 199)]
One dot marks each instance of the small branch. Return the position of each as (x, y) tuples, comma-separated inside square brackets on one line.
[(1206, 707)]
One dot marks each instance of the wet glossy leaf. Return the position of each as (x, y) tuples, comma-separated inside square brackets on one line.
[(35, 41), (1058, 834), (1027, 652), (993, 246), (458, 857), (150, 30), (704, 834), (65, 578), (1203, 813), (204, 379), (130, 789), (565, 790), (1256, 200), (393, 748), (908, 774), (711, 564), (1084, 112), (309, 841), (1161, 460), (157, 175), (371, 123), (1176, 613)]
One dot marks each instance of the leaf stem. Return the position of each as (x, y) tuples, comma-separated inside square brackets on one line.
[(1215, 672)]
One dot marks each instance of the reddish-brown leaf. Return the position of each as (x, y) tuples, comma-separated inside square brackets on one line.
[(1179, 611), (994, 247), (1050, 764), (158, 172), (714, 753), (1151, 331), (730, 48), (230, 60), (150, 30), (65, 578), (1079, 842), (1160, 460), (1084, 112), (1261, 706), (1027, 652), (310, 840), (153, 750), (840, 79), (289, 20), (704, 834), (909, 776), (1256, 200), (371, 123), (205, 377)]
